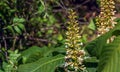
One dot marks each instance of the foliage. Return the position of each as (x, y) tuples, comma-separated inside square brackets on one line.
[(92, 25), (109, 60), (107, 54), (41, 59), (35, 57), (12, 62), (47, 64), (32, 36), (97, 45), (24, 24)]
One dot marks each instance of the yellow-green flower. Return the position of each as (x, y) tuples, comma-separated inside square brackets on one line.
[(105, 21), (74, 53)]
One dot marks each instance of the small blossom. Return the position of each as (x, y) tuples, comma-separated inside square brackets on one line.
[(105, 21), (74, 54)]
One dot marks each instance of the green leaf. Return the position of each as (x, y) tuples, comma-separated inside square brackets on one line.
[(58, 49), (95, 47), (13, 10), (52, 19), (13, 56), (84, 38), (47, 64), (91, 64), (91, 69), (60, 37), (21, 26), (34, 53), (18, 20), (39, 33), (1, 71), (92, 25), (17, 29), (41, 9), (7, 67), (110, 57), (117, 19), (10, 28), (50, 31)]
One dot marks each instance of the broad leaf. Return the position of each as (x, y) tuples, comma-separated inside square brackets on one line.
[(34, 53), (1, 71), (91, 69), (91, 64), (60, 49), (47, 64), (110, 57), (95, 47)]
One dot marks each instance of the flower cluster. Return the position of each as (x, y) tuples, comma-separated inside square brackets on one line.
[(74, 54), (105, 21)]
